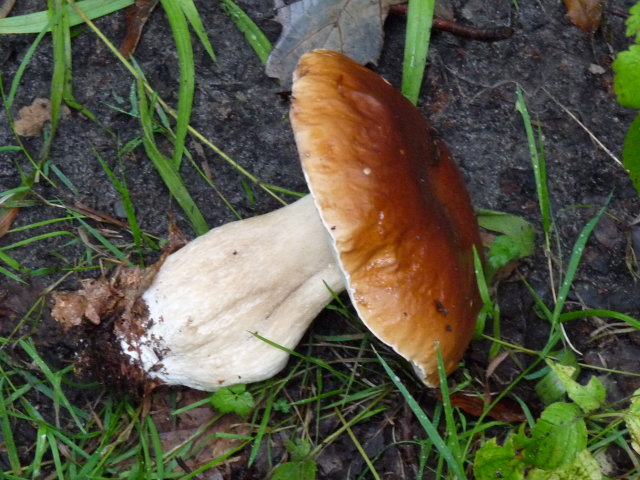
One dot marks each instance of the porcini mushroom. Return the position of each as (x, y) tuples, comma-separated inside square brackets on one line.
[(395, 205), (388, 217)]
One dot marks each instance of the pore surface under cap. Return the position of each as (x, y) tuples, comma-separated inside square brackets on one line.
[(395, 204)]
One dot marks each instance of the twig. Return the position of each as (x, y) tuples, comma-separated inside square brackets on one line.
[(584, 127), (488, 34)]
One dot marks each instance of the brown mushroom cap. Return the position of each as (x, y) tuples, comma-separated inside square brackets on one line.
[(396, 206)]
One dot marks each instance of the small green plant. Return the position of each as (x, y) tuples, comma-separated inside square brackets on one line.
[(234, 399), (558, 443), (301, 466), (517, 239), (626, 84), (563, 441)]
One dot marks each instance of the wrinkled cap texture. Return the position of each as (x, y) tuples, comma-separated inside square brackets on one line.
[(395, 204)]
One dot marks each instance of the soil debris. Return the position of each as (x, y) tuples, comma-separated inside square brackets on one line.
[(585, 14), (31, 118)]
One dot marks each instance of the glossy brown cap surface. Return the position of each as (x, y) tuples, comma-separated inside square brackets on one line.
[(395, 204)]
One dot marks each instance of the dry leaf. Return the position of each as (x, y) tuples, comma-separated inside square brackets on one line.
[(7, 216), (175, 431), (136, 17), (6, 7), (31, 119), (506, 410), (585, 14), (353, 27)]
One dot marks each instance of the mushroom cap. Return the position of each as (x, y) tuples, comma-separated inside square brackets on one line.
[(395, 204)]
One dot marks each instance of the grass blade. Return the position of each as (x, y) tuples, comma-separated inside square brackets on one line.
[(428, 427), (121, 188), (358, 445), (262, 429), (7, 434), (56, 382), (190, 11), (59, 68), (254, 36), (419, 20), (538, 162), (39, 22), (157, 447), (41, 443), (182, 39), (452, 433), (565, 317), (165, 168), (574, 261), (102, 239), (55, 453)]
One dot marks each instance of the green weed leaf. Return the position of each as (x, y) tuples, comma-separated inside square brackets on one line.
[(494, 461), (557, 437), (550, 388), (517, 241), (511, 225), (632, 419), (234, 399), (631, 152), (584, 467), (281, 405), (301, 467), (626, 81), (502, 251), (633, 22), (588, 397)]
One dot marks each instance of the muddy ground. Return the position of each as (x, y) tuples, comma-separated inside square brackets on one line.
[(469, 95)]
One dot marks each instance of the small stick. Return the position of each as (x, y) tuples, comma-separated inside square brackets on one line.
[(489, 34)]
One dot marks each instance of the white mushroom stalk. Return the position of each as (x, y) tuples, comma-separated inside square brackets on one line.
[(268, 275)]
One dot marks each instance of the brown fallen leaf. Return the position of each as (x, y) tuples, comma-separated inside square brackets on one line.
[(353, 27), (585, 14), (31, 119), (136, 18), (95, 214), (7, 216), (506, 410), (6, 7), (200, 424)]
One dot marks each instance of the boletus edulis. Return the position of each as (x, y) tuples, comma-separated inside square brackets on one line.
[(388, 218)]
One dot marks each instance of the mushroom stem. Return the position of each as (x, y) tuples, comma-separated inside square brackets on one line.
[(269, 275)]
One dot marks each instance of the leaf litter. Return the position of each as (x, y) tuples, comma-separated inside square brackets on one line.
[(585, 14), (353, 27)]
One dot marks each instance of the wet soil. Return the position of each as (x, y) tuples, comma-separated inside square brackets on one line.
[(469, 96)]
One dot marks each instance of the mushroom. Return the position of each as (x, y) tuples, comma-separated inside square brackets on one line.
[(388, 218)]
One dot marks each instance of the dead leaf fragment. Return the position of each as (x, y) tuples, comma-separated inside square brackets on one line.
[(7, 216), (585, 14), (31, 119), (6, 7), (353, 27), (135, 20), (200, 426), (506, 410)]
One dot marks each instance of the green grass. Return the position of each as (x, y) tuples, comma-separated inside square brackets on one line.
[(419, 19), (337, 388)]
